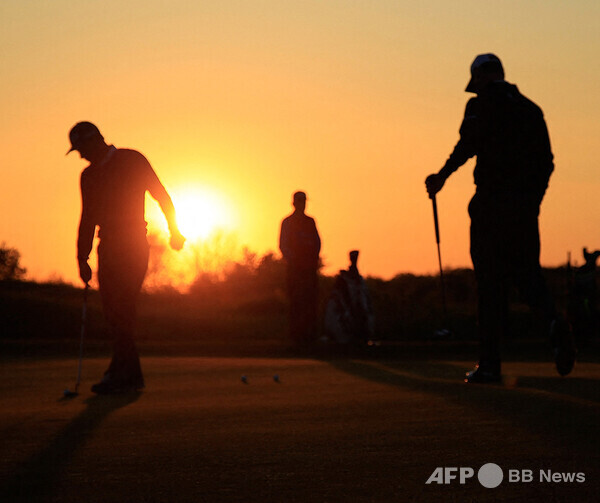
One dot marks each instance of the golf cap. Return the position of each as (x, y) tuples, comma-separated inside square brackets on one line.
[(484, 63), (80, 132)]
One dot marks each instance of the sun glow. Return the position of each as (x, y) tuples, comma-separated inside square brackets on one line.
[(208, 221), (201, 213)]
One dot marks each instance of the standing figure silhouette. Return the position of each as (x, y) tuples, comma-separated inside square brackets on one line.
[(300, 245), (113, 191), (507, 133)]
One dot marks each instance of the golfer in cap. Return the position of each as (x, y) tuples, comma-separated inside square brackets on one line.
[(507, 133), (113, 190)]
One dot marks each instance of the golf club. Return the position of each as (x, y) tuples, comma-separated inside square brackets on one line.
[(444, 332), (67, 393)]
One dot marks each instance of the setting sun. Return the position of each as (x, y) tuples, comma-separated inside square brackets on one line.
[(200, 213)]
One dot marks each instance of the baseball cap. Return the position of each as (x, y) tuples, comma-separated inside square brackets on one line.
[(80, 132), (484, 63)]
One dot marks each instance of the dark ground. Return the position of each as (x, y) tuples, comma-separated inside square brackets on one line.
[(371, 426), (338, 430)]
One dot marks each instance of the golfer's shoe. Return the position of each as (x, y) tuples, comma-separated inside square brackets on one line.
[(483, 374), (565, 351), (109, 386)]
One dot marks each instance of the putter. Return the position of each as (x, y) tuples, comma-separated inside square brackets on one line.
[(67, 393), (444, 332)]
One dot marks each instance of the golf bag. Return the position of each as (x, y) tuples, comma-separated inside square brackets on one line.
[(348, 314)]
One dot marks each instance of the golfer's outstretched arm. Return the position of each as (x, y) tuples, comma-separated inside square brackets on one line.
[(158, 192), (470, 132), (85, 235)]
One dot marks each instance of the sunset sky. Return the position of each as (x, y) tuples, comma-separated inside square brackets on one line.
[(240, 103)]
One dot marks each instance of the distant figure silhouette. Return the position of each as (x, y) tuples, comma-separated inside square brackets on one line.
[(300, 245), (583, 298), (585, 276), (113, 189), (508, 134), (348, 315)]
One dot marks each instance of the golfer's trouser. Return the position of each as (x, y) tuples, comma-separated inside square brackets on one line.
[(505, 249), (303, 292), (121, 270)]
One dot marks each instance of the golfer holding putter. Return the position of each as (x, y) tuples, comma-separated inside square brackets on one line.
[(113, 189), (508, 134)]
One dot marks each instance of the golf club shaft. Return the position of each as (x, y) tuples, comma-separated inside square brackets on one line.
[(436, 223), (437, 240), (83, 323)]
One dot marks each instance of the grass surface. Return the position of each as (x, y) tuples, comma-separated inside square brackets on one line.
[(337, 430), (371, 427)]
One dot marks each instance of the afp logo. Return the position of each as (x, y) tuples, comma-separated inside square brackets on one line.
[(489, 475)]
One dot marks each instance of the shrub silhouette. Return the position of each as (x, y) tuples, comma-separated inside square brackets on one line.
[(10, 268)]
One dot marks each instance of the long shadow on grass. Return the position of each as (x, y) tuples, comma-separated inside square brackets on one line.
[(39, 478), (566, 411)]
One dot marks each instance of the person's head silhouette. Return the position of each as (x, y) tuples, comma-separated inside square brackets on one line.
[(486, 68), (86, 138), (299, 201)]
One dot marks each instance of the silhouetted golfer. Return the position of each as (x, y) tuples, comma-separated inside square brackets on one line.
[(113, 189), (300, 245), (508, 134)]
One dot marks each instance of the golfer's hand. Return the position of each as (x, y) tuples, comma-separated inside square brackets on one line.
[(434, 184), (85, 272), (177, 240)]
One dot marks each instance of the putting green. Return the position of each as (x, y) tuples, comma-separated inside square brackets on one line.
[(339, 430)]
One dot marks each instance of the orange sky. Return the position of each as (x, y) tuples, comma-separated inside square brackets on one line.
[(248, 101)]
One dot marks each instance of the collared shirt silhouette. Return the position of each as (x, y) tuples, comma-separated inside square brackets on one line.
[(508, 134), (113, 189), (300, 245)]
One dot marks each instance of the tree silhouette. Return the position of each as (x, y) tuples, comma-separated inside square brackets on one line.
[(10, 268)]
